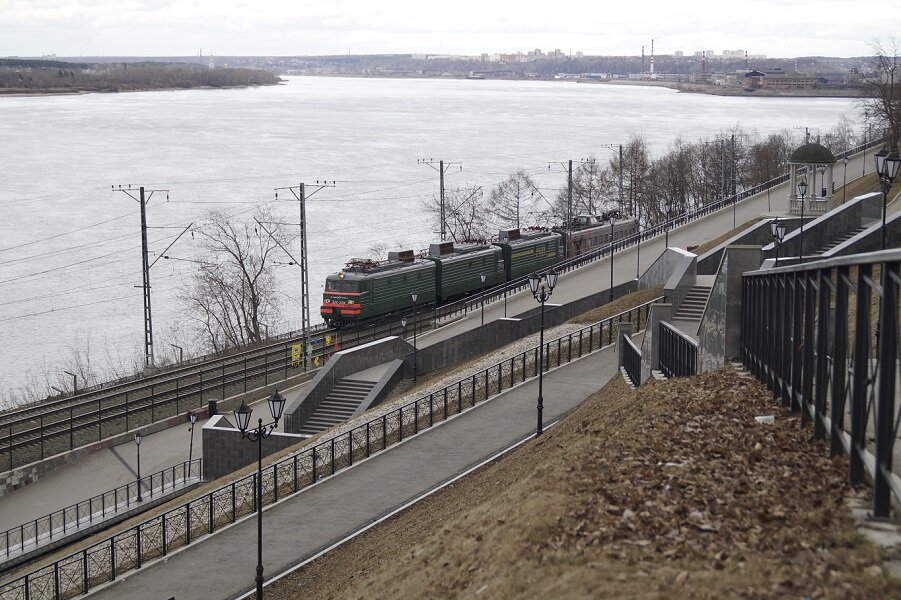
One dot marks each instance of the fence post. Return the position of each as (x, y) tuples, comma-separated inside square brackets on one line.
[(887, 354), (861, 359)]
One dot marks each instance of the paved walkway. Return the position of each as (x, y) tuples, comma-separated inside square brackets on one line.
[(223, 566)]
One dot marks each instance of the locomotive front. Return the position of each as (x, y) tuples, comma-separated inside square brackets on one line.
[(342, 299)]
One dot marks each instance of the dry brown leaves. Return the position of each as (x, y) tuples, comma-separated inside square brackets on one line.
[(673, 490)]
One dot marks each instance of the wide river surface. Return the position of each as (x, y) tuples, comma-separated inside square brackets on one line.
[(70, 247)]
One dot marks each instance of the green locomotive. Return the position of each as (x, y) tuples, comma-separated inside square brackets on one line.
[(368, 288)]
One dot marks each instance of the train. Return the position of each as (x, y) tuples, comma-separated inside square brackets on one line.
[(367, 288)]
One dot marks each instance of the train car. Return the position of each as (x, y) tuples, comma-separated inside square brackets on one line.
[(526, 252), (368, 288), (459, 268), (590, 232)]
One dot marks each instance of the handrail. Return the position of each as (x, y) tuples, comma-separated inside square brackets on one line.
[(14, 541), (102, 562), (631, 360)]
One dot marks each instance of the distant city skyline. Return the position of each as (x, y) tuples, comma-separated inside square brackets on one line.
[(786, 28)]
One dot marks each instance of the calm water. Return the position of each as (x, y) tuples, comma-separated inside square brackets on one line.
[(70, 248)]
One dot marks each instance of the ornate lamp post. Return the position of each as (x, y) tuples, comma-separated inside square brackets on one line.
[(258, 434), (802, 191), (887, 168), (414, 295), (483, 297), (778, 229), (542, 287), (138, 440)]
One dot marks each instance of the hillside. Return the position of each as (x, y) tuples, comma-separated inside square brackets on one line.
[(672, 490)]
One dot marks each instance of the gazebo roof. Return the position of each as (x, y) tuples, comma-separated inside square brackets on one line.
[(812, 154)]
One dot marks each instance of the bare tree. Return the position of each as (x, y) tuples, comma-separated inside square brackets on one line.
[(595, 188), (882, 92), (465, 212), (233, 292), (512, 200)]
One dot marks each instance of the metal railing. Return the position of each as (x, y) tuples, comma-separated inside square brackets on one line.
[(631, 357), (824, 337), (87, 513), (38, 431), (102, 562), (678, 352)]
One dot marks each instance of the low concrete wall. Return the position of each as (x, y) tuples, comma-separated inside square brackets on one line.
[(386, 383), (683, 278), (226, 451), (662, 269), (341, 364), (719, 333), (760, 234), (650, 346), (501, 332), (830, 226)]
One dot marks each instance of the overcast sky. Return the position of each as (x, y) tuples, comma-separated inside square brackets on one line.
[(778, 28)]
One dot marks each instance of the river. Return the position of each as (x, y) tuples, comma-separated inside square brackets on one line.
[(70, 246)]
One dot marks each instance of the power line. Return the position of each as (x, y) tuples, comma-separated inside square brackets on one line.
[(59, 235)]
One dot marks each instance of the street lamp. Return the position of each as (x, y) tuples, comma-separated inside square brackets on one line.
[(192, 417), (845, 180), (542, 287), (778, 229), (887, 168), (181, 352), (74, 381), (138, 439), (612, 221), (802, 191), (257, 434), (414, 296), (483, 297)]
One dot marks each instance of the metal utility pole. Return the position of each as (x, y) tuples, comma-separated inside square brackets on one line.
[(568, 217), (442, 169), (734, 199), (300, 194), (143, 199)]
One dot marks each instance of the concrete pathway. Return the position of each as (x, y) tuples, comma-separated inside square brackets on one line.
[(223, 566)]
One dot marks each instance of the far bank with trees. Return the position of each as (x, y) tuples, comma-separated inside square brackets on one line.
[(27, 76)]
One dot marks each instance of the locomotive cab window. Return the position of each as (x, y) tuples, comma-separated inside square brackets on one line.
[(333, 285)]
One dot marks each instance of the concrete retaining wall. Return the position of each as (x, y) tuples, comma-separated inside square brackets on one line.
[(339, 366), (660, 271), (719, 333), (226, 451), (501, 332), (683, 278)]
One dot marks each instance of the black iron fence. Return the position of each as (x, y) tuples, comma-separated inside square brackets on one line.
[(824, 337), (102, 562), (631, 357), (87, 513), (678, 353)]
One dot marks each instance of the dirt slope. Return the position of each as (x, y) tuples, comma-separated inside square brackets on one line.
[(670, 491)]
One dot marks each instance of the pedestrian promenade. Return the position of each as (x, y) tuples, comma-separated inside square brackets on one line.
[(223, 566)]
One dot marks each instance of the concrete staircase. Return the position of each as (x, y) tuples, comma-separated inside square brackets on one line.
[(692, 308), (839, 240), (338, 406)]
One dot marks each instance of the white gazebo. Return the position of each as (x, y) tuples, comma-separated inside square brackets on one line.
[(812, 163)]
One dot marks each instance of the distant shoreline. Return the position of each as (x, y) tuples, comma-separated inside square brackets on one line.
[(26, 93), (716, 90), (688, 88)]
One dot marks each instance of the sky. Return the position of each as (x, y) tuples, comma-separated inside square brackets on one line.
[(776, 28)]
